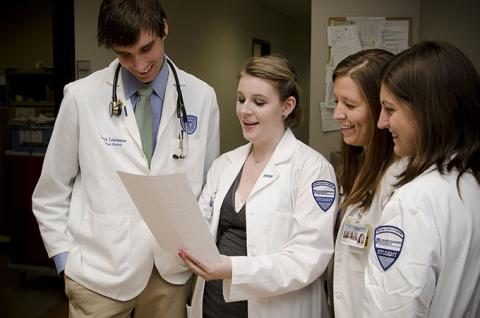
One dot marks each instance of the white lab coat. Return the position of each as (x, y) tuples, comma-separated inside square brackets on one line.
[(437, 272), (80, 203), (349, 261), (289, 238)]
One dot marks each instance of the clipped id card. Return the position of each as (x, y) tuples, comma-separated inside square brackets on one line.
[(355, 233)]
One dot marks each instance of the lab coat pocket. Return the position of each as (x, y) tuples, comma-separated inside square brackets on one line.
[(280, 228), (106, 242)]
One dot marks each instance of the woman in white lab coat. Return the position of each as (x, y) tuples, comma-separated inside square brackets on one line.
[(425, 253), (270, 205), (365, 175)]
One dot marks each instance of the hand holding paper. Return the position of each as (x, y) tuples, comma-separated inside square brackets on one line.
[(208, 271), (169, 208)]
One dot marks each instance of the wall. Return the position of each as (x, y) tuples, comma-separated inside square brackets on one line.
[(211, 39), (321, 11), (26, 33), (456, 22), (86, 13)]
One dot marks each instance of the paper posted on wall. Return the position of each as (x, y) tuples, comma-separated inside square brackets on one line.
[(343, 40), (169, 208), (328, 122)]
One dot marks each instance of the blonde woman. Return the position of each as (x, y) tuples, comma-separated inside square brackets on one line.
[(270, 205)]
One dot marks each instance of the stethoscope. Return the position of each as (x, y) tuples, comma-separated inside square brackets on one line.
[(117, 104)]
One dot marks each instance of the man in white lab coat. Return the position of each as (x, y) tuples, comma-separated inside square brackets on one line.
[(88, 222)]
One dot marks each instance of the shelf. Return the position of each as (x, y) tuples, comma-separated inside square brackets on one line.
[(41, 270), (24, 154), (48, 104), (29, 88)]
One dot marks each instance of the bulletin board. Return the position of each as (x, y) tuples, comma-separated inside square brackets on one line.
[(348, 35), (369, 23)]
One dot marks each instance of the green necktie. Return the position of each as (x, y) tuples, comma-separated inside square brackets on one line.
[(143, 115)]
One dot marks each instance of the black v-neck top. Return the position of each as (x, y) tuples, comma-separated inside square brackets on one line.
[(231, 241)]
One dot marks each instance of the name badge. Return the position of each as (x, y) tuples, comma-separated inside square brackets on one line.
[(206, 206), (355, 233)]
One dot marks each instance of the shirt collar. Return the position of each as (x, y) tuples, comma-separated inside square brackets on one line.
[(131, 84)]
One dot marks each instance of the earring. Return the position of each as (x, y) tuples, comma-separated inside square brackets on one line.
[(284, 117)]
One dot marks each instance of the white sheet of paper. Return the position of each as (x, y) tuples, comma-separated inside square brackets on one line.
[(395, 36), (345, 41), (369, 30), (169, 208)]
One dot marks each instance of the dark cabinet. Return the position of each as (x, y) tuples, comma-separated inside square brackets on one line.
[(26, 246), (30, 111)]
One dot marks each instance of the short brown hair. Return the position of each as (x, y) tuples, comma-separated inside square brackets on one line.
[(121, 21)]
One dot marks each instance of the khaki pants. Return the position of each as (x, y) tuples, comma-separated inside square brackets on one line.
[(158, 299)]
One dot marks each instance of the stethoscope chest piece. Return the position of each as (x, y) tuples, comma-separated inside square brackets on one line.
[(116, 107)]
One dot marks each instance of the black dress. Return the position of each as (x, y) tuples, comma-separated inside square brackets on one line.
[(231, 241)]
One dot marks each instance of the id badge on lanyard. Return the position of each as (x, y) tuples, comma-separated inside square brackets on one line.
[(206, 206), (356, 233)]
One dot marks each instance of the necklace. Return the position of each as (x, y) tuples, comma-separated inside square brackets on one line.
[(257, 162)]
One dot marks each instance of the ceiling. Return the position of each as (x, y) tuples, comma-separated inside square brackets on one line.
[(298, 9)]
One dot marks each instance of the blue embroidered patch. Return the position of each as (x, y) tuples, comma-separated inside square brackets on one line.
[(191, 124), (388, 243), (324, 193)]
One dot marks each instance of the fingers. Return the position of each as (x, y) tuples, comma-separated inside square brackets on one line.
[(185, 255), (197, 270), (190, 261), (206, 271)]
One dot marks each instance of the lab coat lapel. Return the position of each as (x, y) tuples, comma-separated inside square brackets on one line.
[(129, 121), (236, 159), (128, 116), (269, 175), (169, 107), (282, 153), (170, 101)]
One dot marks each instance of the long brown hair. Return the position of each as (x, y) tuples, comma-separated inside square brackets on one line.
[(362, 170), (442, 88)]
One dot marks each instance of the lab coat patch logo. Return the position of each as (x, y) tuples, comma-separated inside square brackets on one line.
[(388, 242), (191, 124), (324, 193)]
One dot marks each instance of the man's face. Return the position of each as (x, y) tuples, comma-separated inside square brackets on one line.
[(144, 59)]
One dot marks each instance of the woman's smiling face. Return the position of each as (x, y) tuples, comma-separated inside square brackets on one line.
[(351, 112), (260, 110)]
